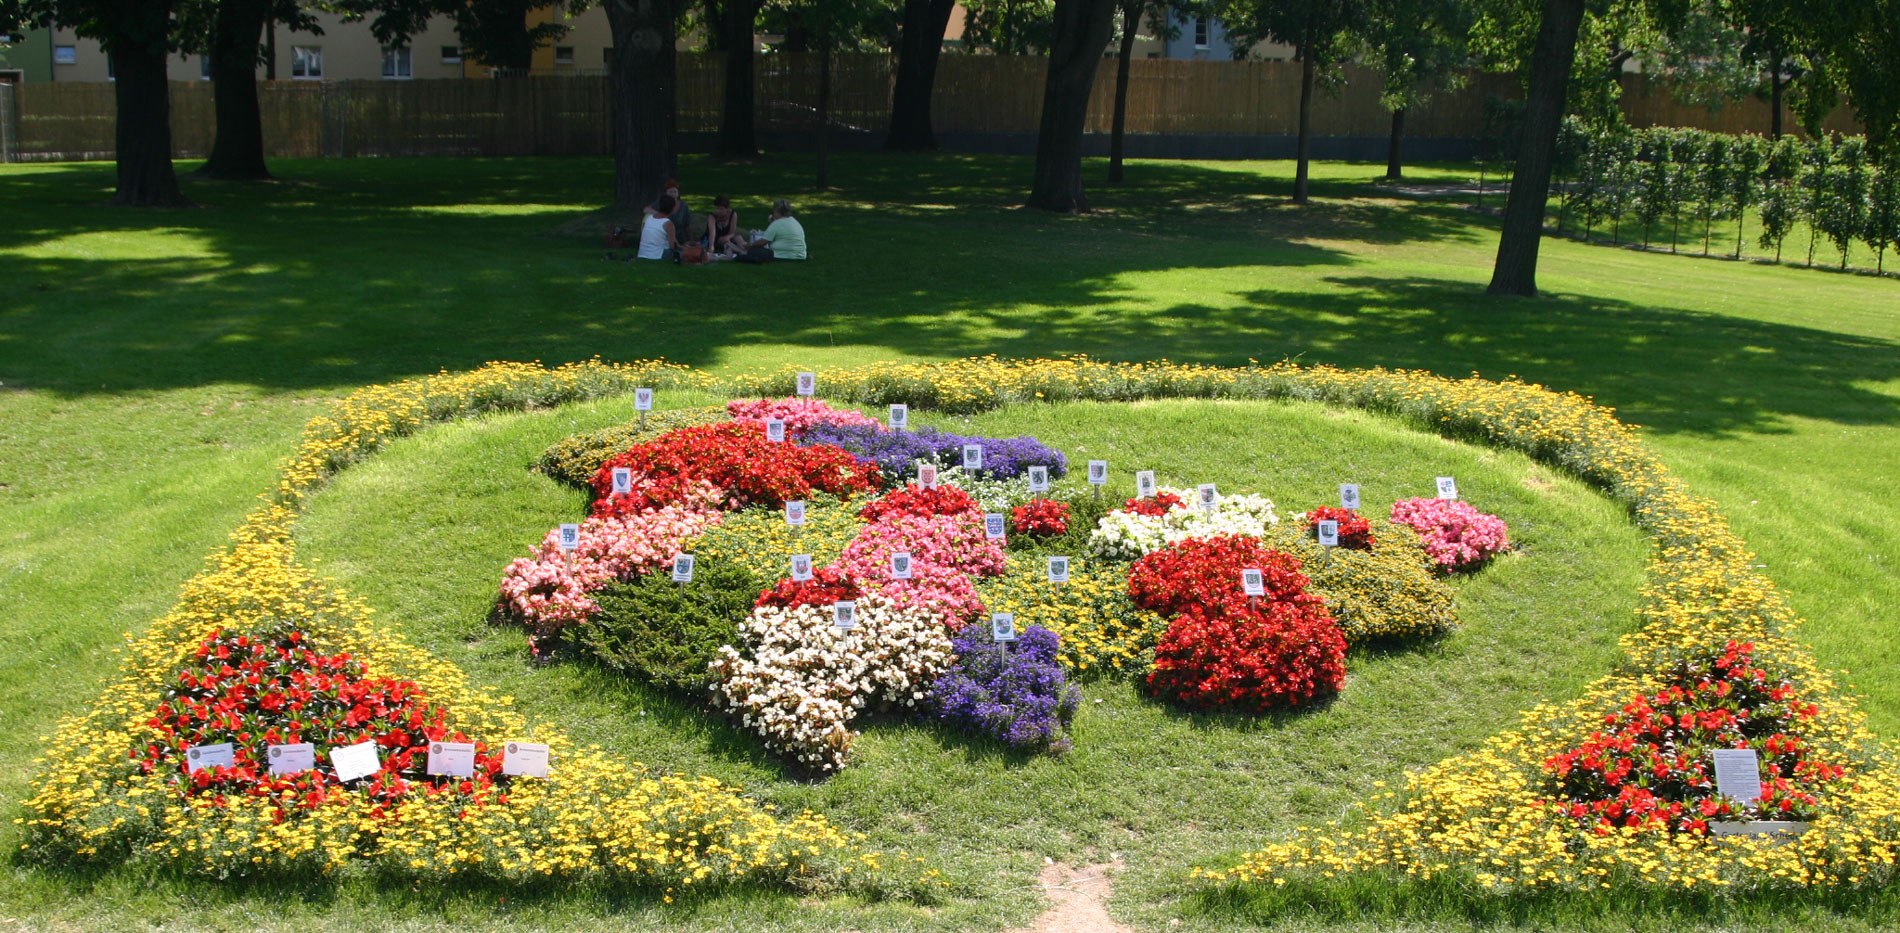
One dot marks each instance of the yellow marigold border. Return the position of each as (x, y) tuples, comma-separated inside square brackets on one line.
[(1463, 815)]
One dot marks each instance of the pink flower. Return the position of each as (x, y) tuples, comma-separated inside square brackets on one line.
[(799, 414), (1455, 535)]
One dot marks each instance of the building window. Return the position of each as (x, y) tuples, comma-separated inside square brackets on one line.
[(451, 55), (396, 64), (65, 55), (1200, 32), (306, 61), (564, 55), (204, 67)]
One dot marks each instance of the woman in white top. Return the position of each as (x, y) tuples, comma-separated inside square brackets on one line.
[(658, 239)]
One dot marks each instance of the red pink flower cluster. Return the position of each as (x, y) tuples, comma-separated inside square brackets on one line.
[(1354, 530), (1040, 517), (946, 551), (1154, 506), (1224, 649), (799, 414), (919, 501), (1651, 767), (736, 458), (1455, 535), (548, 590)]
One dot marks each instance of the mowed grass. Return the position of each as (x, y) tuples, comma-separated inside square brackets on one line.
[(154, 365)]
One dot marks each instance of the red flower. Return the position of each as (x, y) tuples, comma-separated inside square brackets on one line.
[(1041, 517), (1354, 531)]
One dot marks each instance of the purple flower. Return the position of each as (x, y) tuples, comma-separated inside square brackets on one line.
[(1020, 696), (897, 452)]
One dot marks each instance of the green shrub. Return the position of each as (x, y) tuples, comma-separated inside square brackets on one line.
[(663, 633), (575, 459), (1387, 592)]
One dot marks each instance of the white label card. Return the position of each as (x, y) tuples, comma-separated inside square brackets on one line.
[(900, 417), (525, 759), (973, 456), (795, 512), (801, 568), (900, 565), (1447, 488), (1003, 626), (452, 759), (807, 383), (643, 400), (1145, 484), (1098, 472), (775, 430), (290, 759), (844, 614), (1738, 774), (993, 526), (623, 479), (1328, 532), (927, 475), (355, 761), (1038, 479), (1349, 496), (570, 536), (1253, 582), (1207, 496), (221, 755), (682, 568), (1058, 570)]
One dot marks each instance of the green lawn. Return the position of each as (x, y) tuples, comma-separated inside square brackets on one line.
[(154, 366)]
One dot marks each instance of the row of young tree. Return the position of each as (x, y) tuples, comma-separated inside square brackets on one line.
[(1662, 180)]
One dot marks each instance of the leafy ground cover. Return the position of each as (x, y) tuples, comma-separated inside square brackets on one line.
[(156, 365)]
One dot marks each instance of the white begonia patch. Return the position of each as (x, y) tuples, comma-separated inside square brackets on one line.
[(1123, 535)]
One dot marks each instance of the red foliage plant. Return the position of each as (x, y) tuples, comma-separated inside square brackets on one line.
[(736, 457), (1225, 650), (1040, 517), (258, 690), (916, 500), (1354, 531)]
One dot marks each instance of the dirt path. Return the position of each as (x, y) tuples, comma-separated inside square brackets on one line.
[(1081, 900)]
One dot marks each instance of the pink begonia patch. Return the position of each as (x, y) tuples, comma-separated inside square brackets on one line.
[(548, 591), (945, 551), (1455, 535), (798, 414)]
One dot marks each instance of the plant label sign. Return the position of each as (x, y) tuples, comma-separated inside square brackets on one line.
[(993, 526), (643, 400), (807, 384), (221, 755), (1207, 497), (355, 761), (451, 759), (926, 475), (1145, 484), (570, 536), (1738, 774), (1098, 472), (1003, 626), (525, 759), (1253, 582), (1349, 496), (1038, 479), (623, 479), (844, 615), (775, 430), (1447, 488), (900, 417), (900, 565), (973, 456), (795, 512), (801, 568), (290, 759), (682, 568), (1058, 570), (1328, 532)]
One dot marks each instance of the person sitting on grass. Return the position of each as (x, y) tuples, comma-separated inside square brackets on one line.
[(784, 237), (722, 229), (679, 213), (659, 238)]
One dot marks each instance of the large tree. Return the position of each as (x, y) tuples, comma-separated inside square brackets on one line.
[(496, 32), (233, 40), (1010, 27), (1320, 30), (1420, 45), (138, 36), (919, 47), (645, 98), (1515, 272), (732, 25), (1134, 15), (1081, 29)]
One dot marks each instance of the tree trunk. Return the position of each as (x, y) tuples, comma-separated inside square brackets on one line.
[(270, 49), (1516, 270), (1394, 160), (824, 113), (1131, 23), (143, 130), (738, 137), (917, 51), (237, 151), (1306, 124), (644, 94), (1080, 34)]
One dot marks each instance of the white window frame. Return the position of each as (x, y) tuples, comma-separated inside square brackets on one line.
[(399, 64), (451, 55), (1203, 33), (301, 56), (65, 55), (568, 60)]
